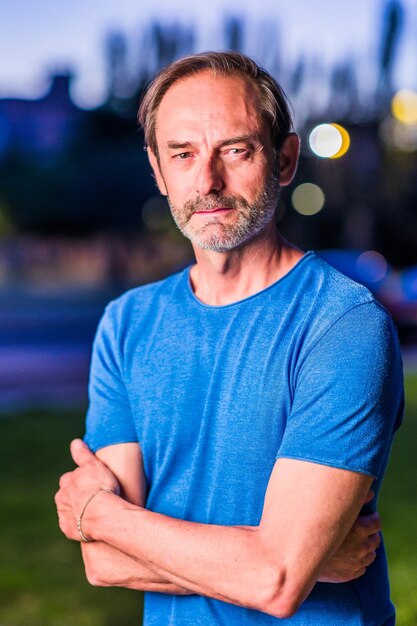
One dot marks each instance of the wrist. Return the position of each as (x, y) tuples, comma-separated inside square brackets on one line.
[(112, 524), (100, 505)]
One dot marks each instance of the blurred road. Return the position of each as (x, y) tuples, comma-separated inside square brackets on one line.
[(45, 347)]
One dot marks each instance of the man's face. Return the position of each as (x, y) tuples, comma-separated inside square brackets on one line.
[(216, 162)]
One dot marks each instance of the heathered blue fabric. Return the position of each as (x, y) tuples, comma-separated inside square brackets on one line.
[(308, 368)]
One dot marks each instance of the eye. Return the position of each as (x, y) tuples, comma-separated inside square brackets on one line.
[(182, 156), (236, 151)]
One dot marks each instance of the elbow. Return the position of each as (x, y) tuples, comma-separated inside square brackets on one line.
[(93, 570), (279, 582), (278, 597), (96, 581), (281, 608), (94, 578)]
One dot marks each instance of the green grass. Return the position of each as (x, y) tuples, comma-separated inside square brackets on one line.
[(398, 507), (42, 581)]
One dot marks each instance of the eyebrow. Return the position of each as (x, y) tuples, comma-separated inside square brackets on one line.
[(249, 139), (178, 145)]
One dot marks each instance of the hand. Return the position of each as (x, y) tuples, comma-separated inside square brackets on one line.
[(76, 487), (356, 553)]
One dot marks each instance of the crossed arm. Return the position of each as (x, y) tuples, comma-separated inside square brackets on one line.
[(303, 535), (107, 566)]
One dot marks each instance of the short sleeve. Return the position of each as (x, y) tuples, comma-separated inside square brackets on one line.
[(348, 395), (109, 417)]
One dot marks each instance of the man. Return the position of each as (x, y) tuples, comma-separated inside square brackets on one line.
[(249, 400)]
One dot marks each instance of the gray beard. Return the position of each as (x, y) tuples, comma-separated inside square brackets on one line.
[(252, 218)]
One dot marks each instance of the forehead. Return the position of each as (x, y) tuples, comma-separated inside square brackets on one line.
[(209, 102)]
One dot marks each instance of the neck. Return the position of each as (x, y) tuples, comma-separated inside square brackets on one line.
[(220, 278)]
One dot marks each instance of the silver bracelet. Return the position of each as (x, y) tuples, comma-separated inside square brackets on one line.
[(83, 537)]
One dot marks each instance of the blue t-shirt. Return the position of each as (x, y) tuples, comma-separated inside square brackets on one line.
[(309, 368)]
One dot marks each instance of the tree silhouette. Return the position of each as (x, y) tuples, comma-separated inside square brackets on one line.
[(390, 37), (233, 34)]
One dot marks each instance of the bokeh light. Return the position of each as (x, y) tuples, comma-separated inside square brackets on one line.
[(325, 140), (308, 199), (371, 266), (345, 141), (329, 141), (399, 136), (404, 106), (409, 283)]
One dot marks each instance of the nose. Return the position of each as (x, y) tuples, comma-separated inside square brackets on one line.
[(210, 177)]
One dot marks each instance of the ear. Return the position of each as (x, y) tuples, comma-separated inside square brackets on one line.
[(153, 160), (288, 159)]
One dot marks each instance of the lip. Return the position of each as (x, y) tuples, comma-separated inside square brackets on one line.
[(211, 211)]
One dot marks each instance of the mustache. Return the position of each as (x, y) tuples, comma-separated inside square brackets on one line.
[(209, 203)]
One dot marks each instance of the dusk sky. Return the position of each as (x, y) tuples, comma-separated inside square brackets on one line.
[(37, 37)]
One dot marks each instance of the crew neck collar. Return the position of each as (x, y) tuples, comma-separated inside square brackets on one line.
[(258, 294)]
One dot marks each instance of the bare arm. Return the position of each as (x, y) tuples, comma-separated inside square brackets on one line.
[(308, 512), (105, 565)]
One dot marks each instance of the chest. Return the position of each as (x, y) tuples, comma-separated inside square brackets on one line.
[(211, 394)]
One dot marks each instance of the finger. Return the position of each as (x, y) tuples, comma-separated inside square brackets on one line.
[(80, 452), (368, 524), (61, 500), (359, 573), (374, 541), (68, 526), (64, 480), (370, 558), (369, 496), (57, 499)]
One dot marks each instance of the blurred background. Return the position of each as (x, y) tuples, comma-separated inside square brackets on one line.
[(81, 221)]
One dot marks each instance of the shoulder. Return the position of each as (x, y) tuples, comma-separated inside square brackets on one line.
[(133, 314), (331, 286), (136, 303), (328, 298)]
